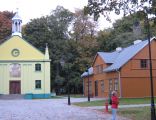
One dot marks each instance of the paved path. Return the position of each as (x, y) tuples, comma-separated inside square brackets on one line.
[(51, 109)]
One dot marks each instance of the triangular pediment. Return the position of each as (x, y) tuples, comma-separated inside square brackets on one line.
[(17, 48)]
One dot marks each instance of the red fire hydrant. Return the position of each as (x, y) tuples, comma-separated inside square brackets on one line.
[(106, 106)]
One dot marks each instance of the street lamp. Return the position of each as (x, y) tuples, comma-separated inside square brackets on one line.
[(88, 85), (62, 62), (153, 117)]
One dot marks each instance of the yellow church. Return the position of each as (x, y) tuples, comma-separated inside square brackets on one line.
[(24, 69)]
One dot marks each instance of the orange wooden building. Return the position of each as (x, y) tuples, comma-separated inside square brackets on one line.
[(125, 70)]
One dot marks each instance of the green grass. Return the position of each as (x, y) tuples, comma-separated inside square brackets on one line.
[(75, 96), (57, 97), (91, 103), (78, 96), (71, 95), (126, 101), (123, 101), (142, 113)]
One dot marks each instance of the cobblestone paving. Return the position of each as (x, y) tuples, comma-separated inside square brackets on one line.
[(51, 109)]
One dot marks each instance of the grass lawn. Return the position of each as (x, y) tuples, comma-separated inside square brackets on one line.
[(75, 96), (126, 101), (123, 101), (91, 103), (142, 113), (71, 95), (56, 97)]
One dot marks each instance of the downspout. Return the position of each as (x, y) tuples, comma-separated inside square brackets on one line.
[(119, 77)]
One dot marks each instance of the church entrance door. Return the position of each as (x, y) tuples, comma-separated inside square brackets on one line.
[(15, 87)]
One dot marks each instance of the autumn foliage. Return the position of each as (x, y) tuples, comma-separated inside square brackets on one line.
[(5, 24)]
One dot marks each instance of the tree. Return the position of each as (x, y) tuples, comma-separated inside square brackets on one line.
[(123, 33), (105, 41), (72, 66), (5, 24), (51, 29), (125, 7), (130, 27), (84, 32), (83, 25)]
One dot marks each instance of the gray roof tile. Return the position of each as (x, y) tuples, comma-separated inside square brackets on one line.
[(108, 57), (125, 55)]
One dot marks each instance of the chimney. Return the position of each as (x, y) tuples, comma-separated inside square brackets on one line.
[(118, 49), (137, 41)]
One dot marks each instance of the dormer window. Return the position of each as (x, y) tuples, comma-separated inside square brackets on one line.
[(37, 67), (98, 69), (144, 63)]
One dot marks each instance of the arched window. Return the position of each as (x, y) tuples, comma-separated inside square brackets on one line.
[(16, 27)]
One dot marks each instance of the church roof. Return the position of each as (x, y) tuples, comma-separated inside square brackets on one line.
[(27, 51), (16, 17)]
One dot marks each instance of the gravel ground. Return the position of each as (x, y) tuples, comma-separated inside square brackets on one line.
[(50, 109)]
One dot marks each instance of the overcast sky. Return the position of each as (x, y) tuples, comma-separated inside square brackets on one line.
[(29, 9)]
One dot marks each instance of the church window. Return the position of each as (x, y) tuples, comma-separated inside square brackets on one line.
[(37, 67), (16, 26), (15, 70), (38, 84)]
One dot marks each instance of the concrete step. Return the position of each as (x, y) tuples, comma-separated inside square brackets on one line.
[(11, 97)]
